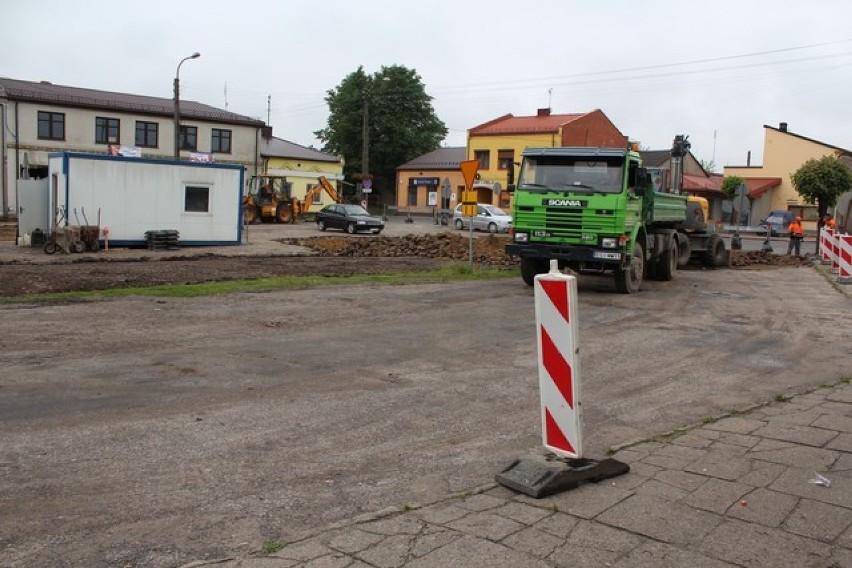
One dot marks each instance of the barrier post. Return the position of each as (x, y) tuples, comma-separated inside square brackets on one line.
[(845, 261), (825, 239), (835, 253), (560, 396)]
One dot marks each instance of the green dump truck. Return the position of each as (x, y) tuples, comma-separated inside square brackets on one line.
[(595, 210)]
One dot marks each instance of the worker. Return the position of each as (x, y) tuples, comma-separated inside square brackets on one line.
[(828, 221), (796, 236)]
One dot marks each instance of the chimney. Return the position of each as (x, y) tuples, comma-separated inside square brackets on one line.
[(543, 112), (748, 158), (266, 132), (782, 126)]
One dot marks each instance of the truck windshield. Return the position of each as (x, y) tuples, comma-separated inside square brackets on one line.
[(575, 175)]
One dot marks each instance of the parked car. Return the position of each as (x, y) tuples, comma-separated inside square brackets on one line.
[(777, 222), (488, 218), (349, 218)]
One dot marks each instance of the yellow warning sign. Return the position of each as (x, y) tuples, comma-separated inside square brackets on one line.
[(469, 168), (469, 210)]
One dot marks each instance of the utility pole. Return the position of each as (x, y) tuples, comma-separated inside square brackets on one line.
[(365, 134)]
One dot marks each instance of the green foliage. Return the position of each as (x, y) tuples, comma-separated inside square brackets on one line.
[(708, 165), (730, 185), (822, 181), (272, 546), (401, 120)]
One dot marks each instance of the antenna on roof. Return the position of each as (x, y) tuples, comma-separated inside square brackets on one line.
[(226, 95), (268, 108), (549, 97)]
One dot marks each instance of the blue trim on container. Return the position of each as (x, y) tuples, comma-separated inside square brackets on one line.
[(127, 243), (87, 156)]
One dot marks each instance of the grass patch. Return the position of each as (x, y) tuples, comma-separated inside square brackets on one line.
[(449, 273), (271, 546), (781, 397), (708, 420)]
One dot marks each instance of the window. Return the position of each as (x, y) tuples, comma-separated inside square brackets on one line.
[(196, 199), (51, 125), (147, 134), (106, 130), (316, 199), (412, 195), (188, 138), (483, 157), (220, 141), (505, 159)]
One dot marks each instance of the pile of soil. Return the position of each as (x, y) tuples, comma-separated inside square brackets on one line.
[(741, 258), (487, 250)]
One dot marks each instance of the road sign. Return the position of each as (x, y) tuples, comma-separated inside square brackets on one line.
[(468, 169), (368, 183), (469, 210)]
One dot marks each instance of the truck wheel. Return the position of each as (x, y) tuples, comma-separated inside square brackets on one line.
[(629, 280), (716, 253), (667, 264), (530, 267), (284, 214)]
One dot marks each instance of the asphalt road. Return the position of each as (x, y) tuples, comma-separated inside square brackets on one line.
[(149, 432)]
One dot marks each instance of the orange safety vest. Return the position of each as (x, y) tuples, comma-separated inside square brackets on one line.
[(795, 229), (830, 223)]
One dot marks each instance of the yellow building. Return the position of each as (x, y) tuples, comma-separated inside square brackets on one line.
[(430, 183), (770, 186), (302, 166), (499, 142)]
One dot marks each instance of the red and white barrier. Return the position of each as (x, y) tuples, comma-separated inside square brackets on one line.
[(826, 238), (558, 364), (835, 253), (845, 259)]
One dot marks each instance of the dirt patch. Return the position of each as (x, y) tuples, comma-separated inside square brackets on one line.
[(337, 256)]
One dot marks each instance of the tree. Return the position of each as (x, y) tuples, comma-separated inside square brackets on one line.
[(401, 123), (821, 182), (708, 165), (730, 184)]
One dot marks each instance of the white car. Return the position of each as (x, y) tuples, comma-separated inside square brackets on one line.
[(488, 218)]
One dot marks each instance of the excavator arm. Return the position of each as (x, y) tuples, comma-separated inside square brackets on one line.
[(324, 185)]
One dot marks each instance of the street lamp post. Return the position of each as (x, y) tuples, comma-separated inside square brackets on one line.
[(195, 55)]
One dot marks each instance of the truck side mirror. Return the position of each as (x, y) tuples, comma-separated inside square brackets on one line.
[(510, 177), (643, 180)]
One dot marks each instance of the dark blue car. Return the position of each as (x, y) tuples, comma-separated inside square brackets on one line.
[(777, 222)]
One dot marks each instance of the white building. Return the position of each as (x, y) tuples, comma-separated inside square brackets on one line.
[(39, 118)]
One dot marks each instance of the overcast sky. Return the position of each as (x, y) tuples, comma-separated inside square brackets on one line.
[(716, 71)]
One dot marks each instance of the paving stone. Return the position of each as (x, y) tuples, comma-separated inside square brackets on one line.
[(681, 479), (646, 448), (840, 557), (692, 441), (736, 425), (721, 465), (392, 552), (762, 473), (441, 514), (770, 445), (480, 503), (668, 521), (644, 469), (841, 408), (268, 562), (399, 524), (472, 552), (797, 434), (729, 449), (626, 482), (659, 555), (533, 542), (558, 524), (709, 434), (840, 394), (843, 463), (596, 536), (764, 507), (743, 440), (842, 442), (629, 455), (796, 418), (574, 556), (768, 411), (756, 546), (846, 538), (683, 452), (659, 490), (354, 540), (819, 521), (330, 561), (486, 525), (523, 513), (501, 492), (587, 501), (432, 539), (795, 482), (834, 422), (304, 550), (818, 457), (717, 495)]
